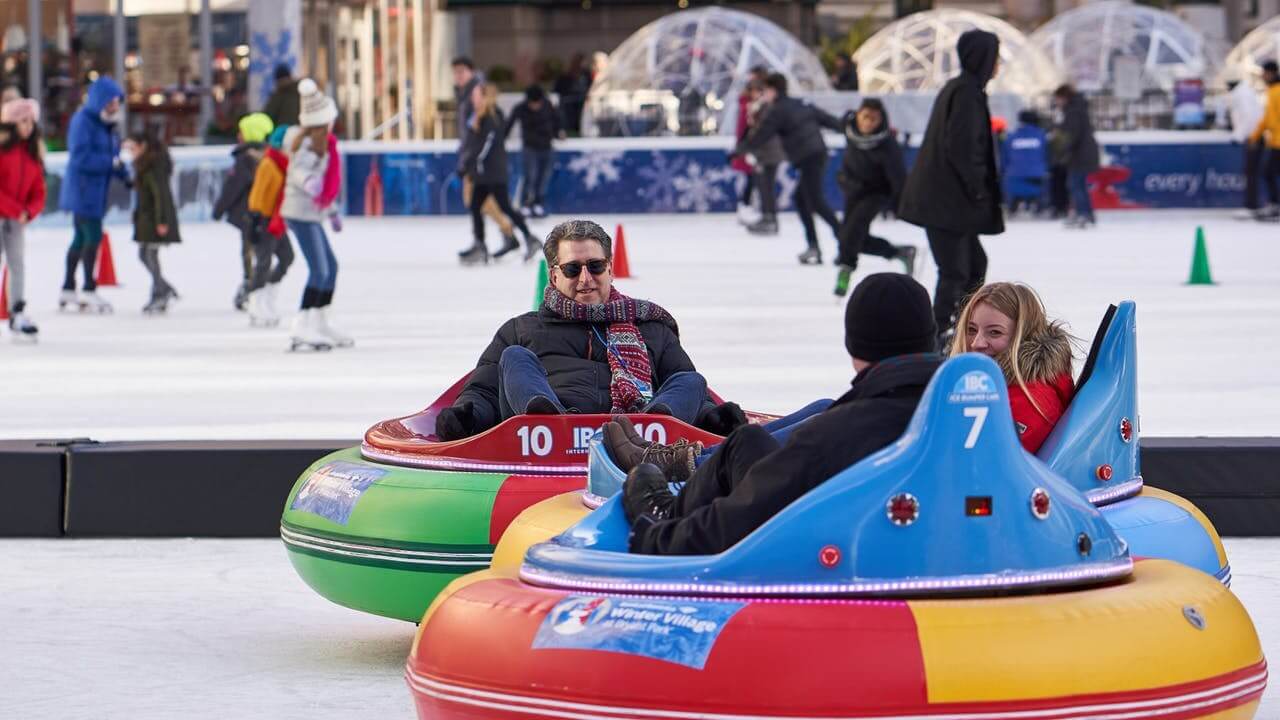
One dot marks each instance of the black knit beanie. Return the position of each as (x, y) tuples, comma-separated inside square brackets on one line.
[(889, 314)]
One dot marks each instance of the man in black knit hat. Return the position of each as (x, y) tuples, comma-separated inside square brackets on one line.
[(890, 334)]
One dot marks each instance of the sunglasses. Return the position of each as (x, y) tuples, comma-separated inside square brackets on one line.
[(574, 269)]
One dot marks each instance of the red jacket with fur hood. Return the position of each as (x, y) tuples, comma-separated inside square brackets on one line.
[(1045, 361), (22, 186)]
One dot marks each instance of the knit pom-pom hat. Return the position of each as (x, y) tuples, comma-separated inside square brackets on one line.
[(16, 111), (318, 109)]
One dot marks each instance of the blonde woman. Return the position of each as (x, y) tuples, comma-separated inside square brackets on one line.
[(484, 160), (1007, 322)]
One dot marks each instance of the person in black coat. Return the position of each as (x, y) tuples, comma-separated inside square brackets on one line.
[(483, 159), (799, 124), (890, 333), (1080, 151), (557, 358), (953, 189), (871, 175), (539, 123)]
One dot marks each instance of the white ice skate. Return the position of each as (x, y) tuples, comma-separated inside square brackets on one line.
[(323, 327), (260, 311), (269, 299), (304, 335), (748, 215), (23, 329), (92, 302), (67, 300)]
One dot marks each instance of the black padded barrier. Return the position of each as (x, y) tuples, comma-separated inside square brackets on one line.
[(1234, 481), (31, 483)]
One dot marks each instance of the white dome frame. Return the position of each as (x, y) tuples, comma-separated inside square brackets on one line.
[(1244, 62)]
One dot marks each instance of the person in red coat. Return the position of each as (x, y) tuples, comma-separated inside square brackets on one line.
[(22, 196), (1007, 322)]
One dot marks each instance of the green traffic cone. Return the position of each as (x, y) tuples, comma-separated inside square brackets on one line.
[(541, 287), (1200, 261)]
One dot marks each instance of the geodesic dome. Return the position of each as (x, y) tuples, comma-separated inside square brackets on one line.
[(1086, 41), (1245, 60), (684, 71), (918, 52)]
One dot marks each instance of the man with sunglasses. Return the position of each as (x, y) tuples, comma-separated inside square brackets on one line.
[(587, 349)]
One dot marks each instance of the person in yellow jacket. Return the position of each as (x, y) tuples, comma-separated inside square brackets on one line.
[(265, 196), (1269, 130)]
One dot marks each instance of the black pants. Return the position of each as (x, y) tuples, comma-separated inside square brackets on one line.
[(503, 198), (1269, 171), (265, 246), (810, 199), (749, 189), (719, 474), (766, 183), (1059, 197), (855, 232), (962, 268)]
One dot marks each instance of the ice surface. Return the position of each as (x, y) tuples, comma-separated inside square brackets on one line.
[(216, 629), (764, 330)]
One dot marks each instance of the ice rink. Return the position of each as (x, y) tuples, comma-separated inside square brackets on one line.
[(764, 330)]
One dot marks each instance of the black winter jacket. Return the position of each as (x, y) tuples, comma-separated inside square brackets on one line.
[(155, 205), (1081, 149), (537, 127), (233, 200), (798, 123), (873, 414), (484, 152), (871, 167), (575, 360), (954, 184)]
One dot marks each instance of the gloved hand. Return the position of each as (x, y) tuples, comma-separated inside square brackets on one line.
[(456, 422), (313, 185), (647, 493), (722, 419), (335, 222)]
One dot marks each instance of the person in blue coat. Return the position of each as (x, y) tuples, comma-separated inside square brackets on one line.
[(93, 151), (1026, 171)]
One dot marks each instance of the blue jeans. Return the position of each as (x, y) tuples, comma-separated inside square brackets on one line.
[(522, 378), (781, 428), (1078, 186), (537, 175), (321, 263)]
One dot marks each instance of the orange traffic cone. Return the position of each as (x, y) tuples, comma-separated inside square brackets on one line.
[(4, 293), (106, 266), (621, 268)]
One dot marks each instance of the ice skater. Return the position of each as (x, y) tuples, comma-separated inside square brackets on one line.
[(871, 176), (311, 190), (93, 159), (799, 124), (1245, 110), (539, 123), (1268, 131), (953, 189), (1080, 151), (22, 196), (465, 81), (484, 160), (155, 218)]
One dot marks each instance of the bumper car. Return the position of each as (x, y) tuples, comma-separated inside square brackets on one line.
[(950, 575), (1095, 446), (384, 527)]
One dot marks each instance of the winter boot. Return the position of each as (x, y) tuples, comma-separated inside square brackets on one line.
[(532, 248), (20, 324), (90, 301), (843, 273), (477, 254), (509, 243), (811, 256), (767, 225), (907, 254), (304, 336), (629, 430), (67, 300), (322, 326), (676, 461)]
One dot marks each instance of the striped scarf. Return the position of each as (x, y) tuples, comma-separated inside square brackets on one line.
[(631, 372)]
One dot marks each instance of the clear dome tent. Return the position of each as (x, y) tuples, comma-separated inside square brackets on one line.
[(1089, 42), (1245, 60), (681, 74), (918, 53)]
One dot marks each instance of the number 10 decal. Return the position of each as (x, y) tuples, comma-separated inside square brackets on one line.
[(979, 415), (535, 440)]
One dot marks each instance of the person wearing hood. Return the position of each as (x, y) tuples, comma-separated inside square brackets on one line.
[(1080, 150), (1007, 323), (953, 189), (285, 103), (93, 159), (871, 176), (155, 217)]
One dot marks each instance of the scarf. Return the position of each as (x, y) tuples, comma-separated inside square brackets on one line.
[(630, 371), (332, 175), (866, 142)]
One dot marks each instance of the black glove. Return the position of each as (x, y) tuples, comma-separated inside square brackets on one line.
[(646, 493), (722, 419), (456, 422)]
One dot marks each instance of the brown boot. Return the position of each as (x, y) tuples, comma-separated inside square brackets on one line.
[(629, 429), (676, 461)]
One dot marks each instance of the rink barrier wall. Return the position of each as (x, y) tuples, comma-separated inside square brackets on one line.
[(1150, 169), (238, 488)]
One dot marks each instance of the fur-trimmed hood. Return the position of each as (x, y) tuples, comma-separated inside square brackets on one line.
[(1042, 357)]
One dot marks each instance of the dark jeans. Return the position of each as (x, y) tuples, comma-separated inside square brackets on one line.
[(855, 233), (265, 245), (149, 253), (1078, 182), (720, 473), (779, 429), (83, 251), (962, 268), (537, 174), (522, 378), (1270, 172), (766, 183), (810, 199), (500, 196)]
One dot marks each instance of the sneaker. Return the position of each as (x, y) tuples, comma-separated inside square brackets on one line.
[(765, 226), (842, 280), (477, 254), (907, 254), (811, 256), (509, 243)]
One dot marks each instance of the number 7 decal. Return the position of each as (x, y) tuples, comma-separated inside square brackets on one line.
[(979, 415)]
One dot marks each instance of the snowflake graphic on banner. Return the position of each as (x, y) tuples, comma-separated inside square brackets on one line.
[(700, 189), (659, 186), (266, 56), (597, 167)]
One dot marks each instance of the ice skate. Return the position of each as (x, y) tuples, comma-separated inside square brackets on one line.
[(532, 249), (261, 314), (811, 256), (539, 211), (765, 226), (907, 254), (322, 326), (269, 299), (477, 254), (91, 302), (20, 325), (509, 243), (241, 300), (158, 305), (748, 215), (67, 300), (842, 280), (1271, 213), (304, 336)]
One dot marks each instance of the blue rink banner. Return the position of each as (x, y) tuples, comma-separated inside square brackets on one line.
[(677, 631)]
